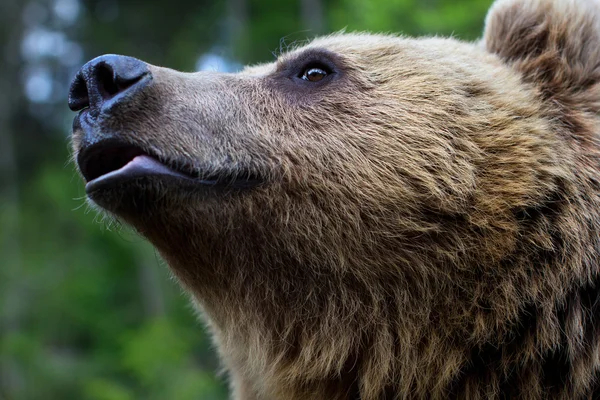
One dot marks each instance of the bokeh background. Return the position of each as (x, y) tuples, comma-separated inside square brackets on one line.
[(88, 311)]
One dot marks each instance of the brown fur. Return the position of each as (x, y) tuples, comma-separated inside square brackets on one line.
[(428, 226)]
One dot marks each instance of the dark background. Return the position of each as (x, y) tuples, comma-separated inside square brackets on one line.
[(88, 310)]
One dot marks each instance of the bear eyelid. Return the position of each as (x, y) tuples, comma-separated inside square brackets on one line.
[(294, 66)]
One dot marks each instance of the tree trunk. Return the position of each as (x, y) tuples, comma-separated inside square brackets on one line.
[(12, 379)]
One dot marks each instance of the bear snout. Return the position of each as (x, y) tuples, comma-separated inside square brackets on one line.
[(107, 80)]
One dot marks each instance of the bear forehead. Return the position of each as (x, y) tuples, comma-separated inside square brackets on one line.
[(395, 55)]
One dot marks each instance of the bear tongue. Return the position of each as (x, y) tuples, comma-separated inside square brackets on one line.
[(139, 166)]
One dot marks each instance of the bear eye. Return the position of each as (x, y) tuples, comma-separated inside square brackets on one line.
[(311, 70), (314, 73)]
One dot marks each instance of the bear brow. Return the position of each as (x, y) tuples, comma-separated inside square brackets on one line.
[(307, 56)]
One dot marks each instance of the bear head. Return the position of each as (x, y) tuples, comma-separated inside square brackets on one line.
[(372, 215)]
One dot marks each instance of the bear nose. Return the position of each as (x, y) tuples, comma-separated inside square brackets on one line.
[(103, 79)]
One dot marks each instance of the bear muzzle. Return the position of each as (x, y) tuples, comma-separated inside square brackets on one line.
[(110, 88)]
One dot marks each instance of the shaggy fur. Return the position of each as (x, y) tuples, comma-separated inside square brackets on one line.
[(428, 221)]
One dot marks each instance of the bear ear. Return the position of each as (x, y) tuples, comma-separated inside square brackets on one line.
[(553, 43)]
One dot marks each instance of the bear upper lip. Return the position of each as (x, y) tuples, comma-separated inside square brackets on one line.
[(108, 162)]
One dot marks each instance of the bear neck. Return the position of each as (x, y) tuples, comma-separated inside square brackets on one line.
[(317, 332)]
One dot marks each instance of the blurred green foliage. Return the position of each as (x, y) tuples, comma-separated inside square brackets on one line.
[(87, 309)]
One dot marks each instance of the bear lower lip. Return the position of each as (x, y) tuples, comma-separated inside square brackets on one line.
[(122, 164), (110, 163), (140, 166)]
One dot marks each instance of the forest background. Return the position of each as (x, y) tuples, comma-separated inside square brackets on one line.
[(89, 311)]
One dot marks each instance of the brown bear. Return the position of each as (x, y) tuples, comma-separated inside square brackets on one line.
[(374, 217)]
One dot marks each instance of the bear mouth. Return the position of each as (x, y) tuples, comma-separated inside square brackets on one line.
[(108, 163)]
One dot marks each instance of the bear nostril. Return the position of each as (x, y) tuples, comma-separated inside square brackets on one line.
[(106, 80), (78, 94)]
